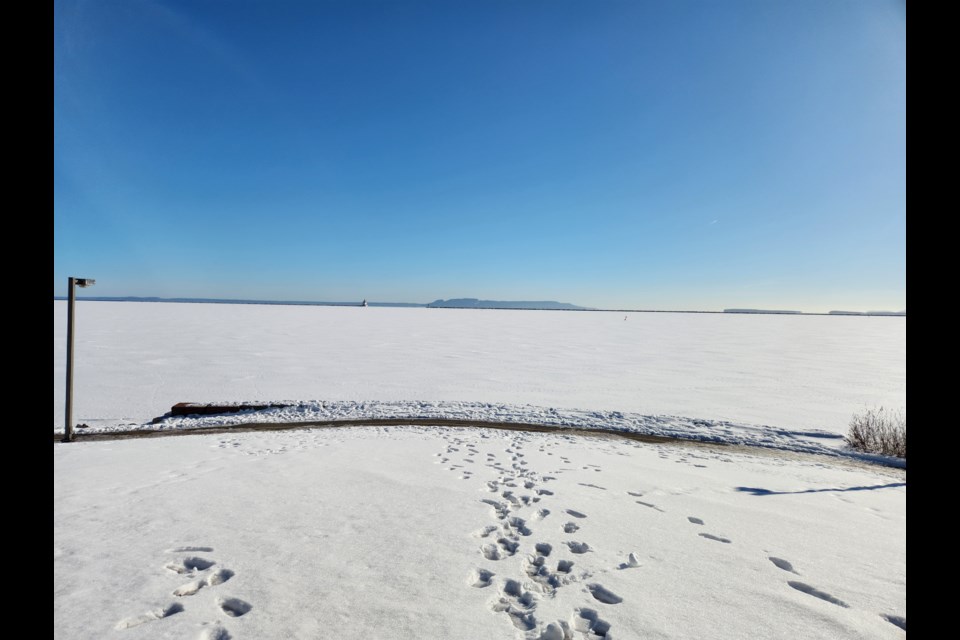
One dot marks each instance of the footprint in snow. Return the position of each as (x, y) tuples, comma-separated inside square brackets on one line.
[(587, 621), (154, 614), (805, 588), (502, 549), (215, 632), (604, 595), (189, 565), (234, 607), (217, 577), (536, 568), (694, 520), (517, 604), (500, 509), (481, 578), (578, 547), (782, 564), (899, 621), (571, 527), (576, 514), (651, 505), (520, 526), (710, 536)]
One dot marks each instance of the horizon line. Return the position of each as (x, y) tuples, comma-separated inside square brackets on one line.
[(728, 311)]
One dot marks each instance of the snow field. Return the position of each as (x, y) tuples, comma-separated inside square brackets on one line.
[(794, 373), (415, 532)]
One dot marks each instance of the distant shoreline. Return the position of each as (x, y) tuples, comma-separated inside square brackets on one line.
[(416, 305)]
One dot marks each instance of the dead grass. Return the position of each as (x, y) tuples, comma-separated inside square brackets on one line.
[(879, 431)]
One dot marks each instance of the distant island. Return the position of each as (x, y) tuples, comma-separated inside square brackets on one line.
[(761, 311), (868, 313), (831, 313), (474, 303)]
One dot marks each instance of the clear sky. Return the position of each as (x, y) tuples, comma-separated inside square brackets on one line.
[(616, 154)]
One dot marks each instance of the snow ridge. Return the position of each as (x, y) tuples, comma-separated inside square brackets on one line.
[(712, 431)]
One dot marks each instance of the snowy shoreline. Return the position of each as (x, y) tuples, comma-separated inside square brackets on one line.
[(724, 432)]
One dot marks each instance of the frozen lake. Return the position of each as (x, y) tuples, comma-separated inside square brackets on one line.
[(135, 360)]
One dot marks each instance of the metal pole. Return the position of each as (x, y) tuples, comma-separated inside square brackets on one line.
[(68, 419)]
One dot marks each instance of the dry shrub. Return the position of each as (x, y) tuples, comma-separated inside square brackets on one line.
[(879, 431)]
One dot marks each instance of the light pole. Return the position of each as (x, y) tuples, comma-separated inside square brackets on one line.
[(79, 282)]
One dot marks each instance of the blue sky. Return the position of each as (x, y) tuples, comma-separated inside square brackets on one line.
[(655, 155)]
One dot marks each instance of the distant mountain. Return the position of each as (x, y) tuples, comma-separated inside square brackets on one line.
[(760, 311), (868, 313), (474, 303)]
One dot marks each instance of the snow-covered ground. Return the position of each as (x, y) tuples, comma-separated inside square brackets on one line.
[(794, 373), (429, 532), (480, 413), (440, 532)]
